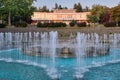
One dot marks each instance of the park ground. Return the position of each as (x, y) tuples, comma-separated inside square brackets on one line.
[(64, 32)]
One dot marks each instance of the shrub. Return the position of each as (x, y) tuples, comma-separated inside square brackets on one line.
[(82, 24), (2, 25), (45, 25), (63, 24), (110, 24), (39, 24), (20, 24), (72, 23), (51, 25)]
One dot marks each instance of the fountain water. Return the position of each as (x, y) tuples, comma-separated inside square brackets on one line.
[(38, 45), (44, 43), (52, 48), (80, 52)]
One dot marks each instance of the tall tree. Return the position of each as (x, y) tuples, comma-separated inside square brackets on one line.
[(56, 6), (75, 6), (78, 7)]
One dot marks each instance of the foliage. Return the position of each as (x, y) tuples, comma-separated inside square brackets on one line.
[(52, 24), (81, 24), (39, 24), (11, 8), (59, 6), (20, 24), (110, 24), (72, 23), (106, 18), (56, 6), (43, 9), (2, 25), (115, 13), (92, 18), (78, 7), (86, 9), (97, 13)]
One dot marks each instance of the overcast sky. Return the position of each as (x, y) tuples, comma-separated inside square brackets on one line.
[(69, 3)]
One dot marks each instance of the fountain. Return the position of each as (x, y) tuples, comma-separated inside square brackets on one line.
[(80, 52), (45, 48), (52, 50)]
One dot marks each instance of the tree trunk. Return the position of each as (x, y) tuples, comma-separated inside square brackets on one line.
[(1, 20), (9, 19)]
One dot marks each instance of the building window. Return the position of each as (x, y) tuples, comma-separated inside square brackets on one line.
[(69, 16)]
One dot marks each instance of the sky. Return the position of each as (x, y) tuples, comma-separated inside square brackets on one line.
[(69, 3)]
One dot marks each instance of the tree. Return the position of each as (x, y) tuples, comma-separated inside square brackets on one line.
[(98, 12), (106, 18), (60, 7), (56, 6), (65, 8), (78, 7), (86, 8), (1, 10), (92, 18), (115, 13), (43, 9), (75, 6), (12, 8)]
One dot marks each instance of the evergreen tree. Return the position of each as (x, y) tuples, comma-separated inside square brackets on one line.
[(75, 6), (86, 9), (56, 6), (59, 7), (78, 7)]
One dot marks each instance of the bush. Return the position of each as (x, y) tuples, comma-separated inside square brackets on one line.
[(110, 24), (20, 24), (2, 25), (72, 23), (39, 24), (44, 25), (63, 24), (82, 24)]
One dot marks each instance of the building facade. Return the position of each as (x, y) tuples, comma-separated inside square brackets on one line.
[(63, 15)]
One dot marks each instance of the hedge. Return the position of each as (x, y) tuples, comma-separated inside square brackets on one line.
[(110, 24), (44, 25), (20, 24), (81, 24)]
